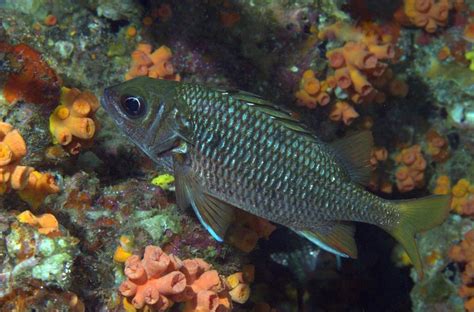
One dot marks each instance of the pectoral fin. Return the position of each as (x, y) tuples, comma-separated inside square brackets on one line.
[(214, 214), (337, 238)]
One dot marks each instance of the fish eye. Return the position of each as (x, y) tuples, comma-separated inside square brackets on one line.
[(134, 106)]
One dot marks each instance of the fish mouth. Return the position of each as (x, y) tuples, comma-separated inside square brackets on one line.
[(165, 153), (169, 151)]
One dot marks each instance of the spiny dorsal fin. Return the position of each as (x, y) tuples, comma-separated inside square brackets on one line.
[(354, 152), (337, 238), (280, 114), (215, 215)]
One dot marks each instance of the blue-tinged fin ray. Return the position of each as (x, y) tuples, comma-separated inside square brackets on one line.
[(337, 238), (214, 214)]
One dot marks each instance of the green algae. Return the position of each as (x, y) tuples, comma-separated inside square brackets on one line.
[(460, 75), (156, 222), (116, 49), (51, 261), (54, 269)]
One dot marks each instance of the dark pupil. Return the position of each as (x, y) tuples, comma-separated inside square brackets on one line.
[(133, 106)]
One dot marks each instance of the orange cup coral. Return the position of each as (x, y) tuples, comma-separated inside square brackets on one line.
[(159, 279), (72, 123), (12, 150), (33, 186), (239, 284), (437, 146), (39, 186), (356, 63), (389, 84), (462, 194), (463, 197), (156, 64), (247, 230), (361, 73), (47, 223), (443, 185), (378, 181), (378, 154), (426, 14), (343, 111), (410, 174), (124, 250), (312, 91)]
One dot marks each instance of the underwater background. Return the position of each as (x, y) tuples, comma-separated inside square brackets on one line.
[(83, 210)]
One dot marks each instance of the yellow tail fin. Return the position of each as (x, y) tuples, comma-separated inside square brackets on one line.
[(416, 216)]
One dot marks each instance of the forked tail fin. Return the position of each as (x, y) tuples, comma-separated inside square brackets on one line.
[(418, 215)]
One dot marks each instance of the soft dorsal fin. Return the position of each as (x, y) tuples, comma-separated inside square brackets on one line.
[(214, 214), (280, 114), (354, 152), (337, 238)]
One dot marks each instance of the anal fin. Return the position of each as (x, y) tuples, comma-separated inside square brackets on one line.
[(337, 238), (214, 214)]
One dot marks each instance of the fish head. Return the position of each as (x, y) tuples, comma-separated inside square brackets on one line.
[(145, 109)]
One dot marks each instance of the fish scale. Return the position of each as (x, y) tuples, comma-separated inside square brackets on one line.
[(235, 157)]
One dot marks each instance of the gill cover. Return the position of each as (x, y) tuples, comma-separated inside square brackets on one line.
[(148, 112)]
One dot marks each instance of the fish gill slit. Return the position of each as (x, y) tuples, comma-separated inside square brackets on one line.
[(150, 135)]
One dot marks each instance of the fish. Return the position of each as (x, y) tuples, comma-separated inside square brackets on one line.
[(233, 150)]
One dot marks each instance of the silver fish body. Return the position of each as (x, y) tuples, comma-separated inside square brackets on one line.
[(234, 150), (248, 158)]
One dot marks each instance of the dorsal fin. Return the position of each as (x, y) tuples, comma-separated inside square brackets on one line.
[(280, 114), (354, 152)]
